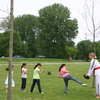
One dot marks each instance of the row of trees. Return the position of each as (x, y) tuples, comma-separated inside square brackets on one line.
[(50, 34), (80, 51)]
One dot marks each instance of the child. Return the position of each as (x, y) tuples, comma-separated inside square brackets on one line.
[(6, 82), (36, 77), (24, 71), (63, 73), (95, 69)]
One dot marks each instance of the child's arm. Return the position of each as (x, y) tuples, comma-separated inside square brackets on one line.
[(25, 71), (40, 72), (59, 75)]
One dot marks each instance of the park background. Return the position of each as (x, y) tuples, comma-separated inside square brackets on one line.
[(52, 85), (49, 38)]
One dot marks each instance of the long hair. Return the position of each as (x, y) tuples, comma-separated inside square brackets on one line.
[(24, 64), (38, 64), (8, 68), (61, 66)]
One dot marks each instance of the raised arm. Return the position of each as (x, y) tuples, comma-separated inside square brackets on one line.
[(40, 72)]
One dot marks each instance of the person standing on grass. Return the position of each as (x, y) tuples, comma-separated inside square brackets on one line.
[(24, 72), (95, 69), (36, 77), (6, 82), (64, 73)]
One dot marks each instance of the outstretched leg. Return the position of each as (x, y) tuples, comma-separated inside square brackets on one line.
[(74, 79)]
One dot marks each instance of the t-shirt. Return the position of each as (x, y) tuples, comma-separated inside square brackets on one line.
[(24, 75), (36, 74), (63, 73)]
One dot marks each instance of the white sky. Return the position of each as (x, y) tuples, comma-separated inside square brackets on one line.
[(32, 6)]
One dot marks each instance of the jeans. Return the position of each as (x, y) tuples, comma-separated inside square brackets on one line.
[(66, 79), (23, 84), (38, 84)]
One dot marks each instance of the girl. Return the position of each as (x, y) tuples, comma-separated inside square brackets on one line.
[(24, 71), (63, 73), (95, 69), (6, 82), (36, 77)]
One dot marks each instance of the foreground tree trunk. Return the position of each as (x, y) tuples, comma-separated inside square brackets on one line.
[(10, 53)]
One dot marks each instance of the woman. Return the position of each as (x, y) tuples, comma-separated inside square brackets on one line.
[(95, 69), (36, 77), (64, 73)]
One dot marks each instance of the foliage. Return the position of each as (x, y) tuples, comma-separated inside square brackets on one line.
[(26, 25), (56, 29), (4, 24), (98, 49), (84, 48), (71, 51), (17, 44)]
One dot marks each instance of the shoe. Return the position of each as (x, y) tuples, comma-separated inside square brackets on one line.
[(64, 94), (84, 84), (41, 92)]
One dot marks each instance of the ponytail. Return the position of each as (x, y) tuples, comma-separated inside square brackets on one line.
[(23, 65), (8, 68), (61, 66), (38, 64)]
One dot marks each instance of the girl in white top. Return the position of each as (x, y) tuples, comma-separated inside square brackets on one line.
[(95, 69), (24, 71), (6, 81)]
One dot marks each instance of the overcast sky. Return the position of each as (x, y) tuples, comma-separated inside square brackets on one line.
[(76, 8)]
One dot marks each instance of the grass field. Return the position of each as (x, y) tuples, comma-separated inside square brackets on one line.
[(52, 86)]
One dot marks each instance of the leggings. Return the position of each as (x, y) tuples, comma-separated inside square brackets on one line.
[(66, 79), (38, 84), (23, 86)]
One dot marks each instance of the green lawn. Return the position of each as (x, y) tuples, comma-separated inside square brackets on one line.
[(52, 86)]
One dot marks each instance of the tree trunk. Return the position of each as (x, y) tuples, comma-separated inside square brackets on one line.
[(10, 53)]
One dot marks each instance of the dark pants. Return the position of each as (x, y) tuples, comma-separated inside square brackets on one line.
[(23, 84), (38, 84), (66, 79)]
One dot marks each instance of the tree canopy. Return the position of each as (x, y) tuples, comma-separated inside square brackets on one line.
[(56, 29), (17, 44), (26, 25), (84, 48)]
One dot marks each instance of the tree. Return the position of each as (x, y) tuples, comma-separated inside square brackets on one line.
[(84, 48), (26, 25), (4, 42), (56, 29), (4, 24), (92, 23), (71, 51), (98, 49)]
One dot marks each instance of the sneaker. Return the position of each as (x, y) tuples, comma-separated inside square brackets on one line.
[(41, 92), (84, 84), (64, 94)]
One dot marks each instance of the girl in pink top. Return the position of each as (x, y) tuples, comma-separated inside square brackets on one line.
[(64, 73)]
